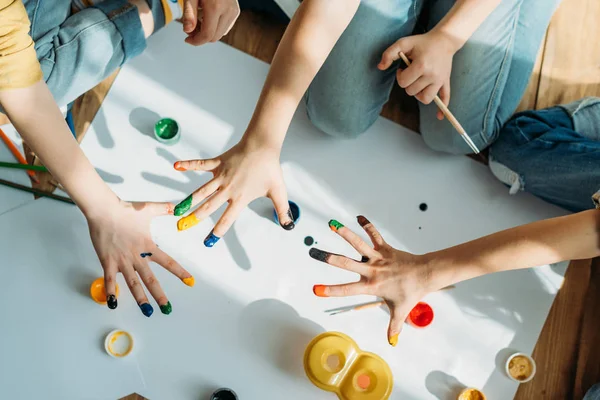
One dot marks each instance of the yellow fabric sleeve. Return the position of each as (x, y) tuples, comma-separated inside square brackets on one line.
[(19, 66)]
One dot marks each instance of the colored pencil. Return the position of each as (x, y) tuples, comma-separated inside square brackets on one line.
[(23, 166), (448, 114), (36, 191), (13, 149)]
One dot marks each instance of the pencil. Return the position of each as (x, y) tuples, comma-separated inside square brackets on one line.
[(36, 191), (23, 166), (13, 149), (448, 114)]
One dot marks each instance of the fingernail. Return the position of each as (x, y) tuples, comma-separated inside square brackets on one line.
[(288, 226), (335, 225), (362, 221), (178, 166), (187, 222), (183, 207), (189, 281), (144, 255), (211, 239), (319, 255), (319, 290), (147, 309), (393, 340), (364, 259), (111, 301), (166, 308)]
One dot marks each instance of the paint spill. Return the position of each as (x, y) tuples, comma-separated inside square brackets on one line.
[(309, 241), (183, 206), (211, 239), (166, 308), (187, 222), (319, 255), (111, 302), (423, 207), (335, 225), (147, 309), (189, 281), (144, 255)]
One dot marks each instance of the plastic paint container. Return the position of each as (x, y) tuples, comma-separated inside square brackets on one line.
[(118, 343), (471, 394), (295, 213), (520, 367), (98, 291), (420, 316), (224, 394), (167, 131)]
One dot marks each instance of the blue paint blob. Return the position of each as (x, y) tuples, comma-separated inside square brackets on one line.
[(147, 309), (211, 239), (144, 255)]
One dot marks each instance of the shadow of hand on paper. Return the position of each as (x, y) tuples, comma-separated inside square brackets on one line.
[(143, 119), (443, 386)]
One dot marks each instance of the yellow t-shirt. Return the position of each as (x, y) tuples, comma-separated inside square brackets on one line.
[(19, 66)]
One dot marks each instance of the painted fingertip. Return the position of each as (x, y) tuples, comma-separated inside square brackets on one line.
[(393, 340), (187, 222), (179, 167), (211, 239), (335, 225), (166, 308), (288, 226), (362, 221), (318, 255), (147, 309), (319, 290), (364, 259), (111, 301), (183, 206), (189, 281)]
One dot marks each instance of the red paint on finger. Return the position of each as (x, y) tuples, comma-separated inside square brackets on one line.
[(319, 290), (179, 167)]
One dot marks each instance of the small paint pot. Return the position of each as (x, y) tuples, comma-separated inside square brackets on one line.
[(167, 131), (224, 394), (295, 213), (420, 316), (98, 291), (471, 394), (118, 343), (520, 367)]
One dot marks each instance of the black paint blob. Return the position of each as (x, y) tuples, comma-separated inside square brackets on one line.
[(309, 241), (423, 207)]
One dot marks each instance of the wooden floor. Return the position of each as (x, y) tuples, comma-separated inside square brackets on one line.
[(568, 351)]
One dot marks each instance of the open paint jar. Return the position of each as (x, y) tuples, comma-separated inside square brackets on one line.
[(471, 394), (224, 394), (294, 209), (98, 291), (420, 316), (167, 131), (520, 367), (333, 362), (118, 343)]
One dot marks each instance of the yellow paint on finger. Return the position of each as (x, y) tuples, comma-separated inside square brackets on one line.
[(394, 340), (189, 281), (187, 222)]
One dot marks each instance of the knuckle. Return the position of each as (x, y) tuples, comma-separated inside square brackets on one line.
[(151, 280), (132, 283), (109, 280)]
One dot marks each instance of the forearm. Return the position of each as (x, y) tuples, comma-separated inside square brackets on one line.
[(308, 40), (572, 237), (464, 18), (38, 119)]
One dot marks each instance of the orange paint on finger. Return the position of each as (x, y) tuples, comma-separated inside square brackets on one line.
[(189, 281), (179, 167), (319, 290), (187, 222)]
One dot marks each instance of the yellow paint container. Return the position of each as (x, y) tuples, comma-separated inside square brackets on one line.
[(334, 362), (98, 291), (118, 343)]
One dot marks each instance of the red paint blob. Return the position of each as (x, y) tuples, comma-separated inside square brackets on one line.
[(421, 315)]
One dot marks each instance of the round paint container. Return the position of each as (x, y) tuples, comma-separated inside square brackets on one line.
[(224, 394), (118, 343), (471, 394), (167, 131), (421, 315), (98, 291), (295, 213), (520, 367)]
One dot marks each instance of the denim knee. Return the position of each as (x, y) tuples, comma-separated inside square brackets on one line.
[(443, 137), (593, 393), (340, 126)]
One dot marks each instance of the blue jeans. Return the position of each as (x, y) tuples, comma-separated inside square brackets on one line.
[(593, 393), (553, 154), (489, 74)]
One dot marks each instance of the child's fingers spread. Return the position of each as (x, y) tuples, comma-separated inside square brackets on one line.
[(337, 261), (190, 15), (373, 233), (197, 165), (168, 263), (227, 219), (343, 290), (152, 285), (197, 197), (356, 242)]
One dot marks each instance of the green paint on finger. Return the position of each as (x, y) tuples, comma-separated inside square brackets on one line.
[(335, 225), (183, 207), (166, 308)]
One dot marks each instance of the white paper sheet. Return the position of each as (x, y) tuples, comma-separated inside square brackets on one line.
[(247, 321)]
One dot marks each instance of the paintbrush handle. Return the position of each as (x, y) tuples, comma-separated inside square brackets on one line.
[(23, 166), (13, 149), (369, 305), (36, 191)]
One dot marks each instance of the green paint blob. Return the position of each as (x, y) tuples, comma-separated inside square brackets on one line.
[(335, 224), (166, 130), (166, 309), (183, 207)]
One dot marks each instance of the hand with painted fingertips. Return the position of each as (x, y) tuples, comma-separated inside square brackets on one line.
[(123, 243), (211, 22), (240, 175), (399, 278)]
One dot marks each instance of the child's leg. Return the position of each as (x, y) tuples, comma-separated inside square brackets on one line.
[(79, 50), (348, 92), (553, 154), (489, 74)]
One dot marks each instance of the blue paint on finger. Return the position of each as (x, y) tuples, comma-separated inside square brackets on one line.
[(211, 239), (147, 309), (144, 255)]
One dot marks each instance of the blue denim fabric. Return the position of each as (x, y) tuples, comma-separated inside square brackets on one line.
[(489, 74), (593, 393), (552, 153)]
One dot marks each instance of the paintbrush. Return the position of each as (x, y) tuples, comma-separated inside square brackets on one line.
[(448, 114), (13, 149), (36, 191), (23, 166)]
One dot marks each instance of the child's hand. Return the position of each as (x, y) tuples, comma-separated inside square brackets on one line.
[(399, 278), (429, 73), (240, 175), (217, 18), (120, 237)]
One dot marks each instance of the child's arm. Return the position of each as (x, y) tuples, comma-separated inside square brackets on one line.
[(402, 279), (251, 168)]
